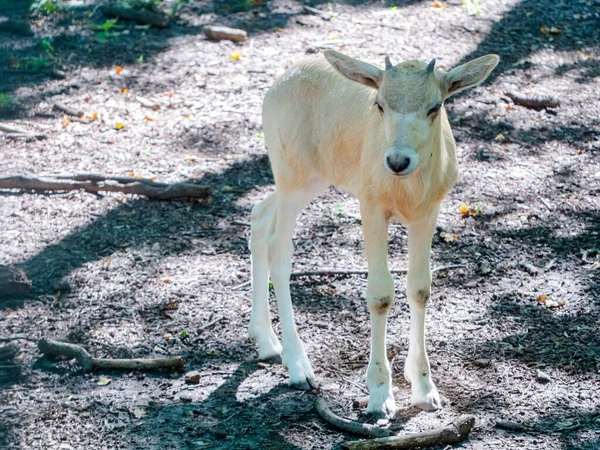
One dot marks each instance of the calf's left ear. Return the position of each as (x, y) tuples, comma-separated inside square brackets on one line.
[(470, 74)]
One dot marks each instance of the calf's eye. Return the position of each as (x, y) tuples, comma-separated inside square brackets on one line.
[(433, 110)]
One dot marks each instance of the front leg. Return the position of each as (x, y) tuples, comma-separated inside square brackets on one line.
[(380, 296), (418, 286)]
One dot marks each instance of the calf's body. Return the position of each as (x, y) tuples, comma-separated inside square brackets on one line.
[(383, 136)]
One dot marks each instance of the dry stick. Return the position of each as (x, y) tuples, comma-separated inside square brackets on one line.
[(153, 190), (326, 272), (452, 433), (97, 177), (143, 17), (68, 111), (344, 272), (55, 348), (533, 103), (359, 429), (10, 129), (211, 323)]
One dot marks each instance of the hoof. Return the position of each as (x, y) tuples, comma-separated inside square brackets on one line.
[(381, 403), (307, 385), (430, 402)]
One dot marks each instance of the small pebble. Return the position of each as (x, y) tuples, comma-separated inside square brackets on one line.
[(542, 377), (192, 378)]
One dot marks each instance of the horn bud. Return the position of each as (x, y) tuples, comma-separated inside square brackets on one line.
[(430, 66), (388, 64)]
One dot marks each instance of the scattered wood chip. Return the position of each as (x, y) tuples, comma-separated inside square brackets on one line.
[(219, 33), (531, 269), (148, 103)]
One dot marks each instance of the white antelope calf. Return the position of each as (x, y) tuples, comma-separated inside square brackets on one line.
[(382, 135)]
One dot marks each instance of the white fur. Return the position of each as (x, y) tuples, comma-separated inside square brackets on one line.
[(322, 127)]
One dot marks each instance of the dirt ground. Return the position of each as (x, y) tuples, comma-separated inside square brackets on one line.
[(128, 277)]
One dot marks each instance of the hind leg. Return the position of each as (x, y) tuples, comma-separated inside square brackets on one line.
[(289, 205), (263, 225)]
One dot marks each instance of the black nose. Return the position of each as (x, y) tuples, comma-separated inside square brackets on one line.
[(398, 165)]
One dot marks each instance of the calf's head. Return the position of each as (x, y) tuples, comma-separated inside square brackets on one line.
[(409, 98)]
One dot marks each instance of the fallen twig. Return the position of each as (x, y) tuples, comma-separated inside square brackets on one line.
[(218, 33), (98, 183), (452, 433), (68, 111), (317, 12), (14, 130), (326, 272), (359, 429), (211, 323), (143, 17), (244, 284), (346, 272), (55, 348), (532, 103)]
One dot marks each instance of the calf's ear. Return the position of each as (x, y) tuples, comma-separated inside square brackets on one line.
[(355, 70), (470, 74)]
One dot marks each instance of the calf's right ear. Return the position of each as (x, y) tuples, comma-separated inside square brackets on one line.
[(470, 74), (355, 70)]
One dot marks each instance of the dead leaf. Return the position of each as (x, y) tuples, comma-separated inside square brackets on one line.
[(149, 119), (171, 305), (118, 70), (104, 381), (235, 55), (554, 30), (66, 121), (438, 4), (544, 29), (464, 210), (584, 56), (91, 116), (124, 91), (500, 138), (448, 237), (166, 280), (119, 125)]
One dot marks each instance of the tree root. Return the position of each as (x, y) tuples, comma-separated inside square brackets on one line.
[(54, 348)]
